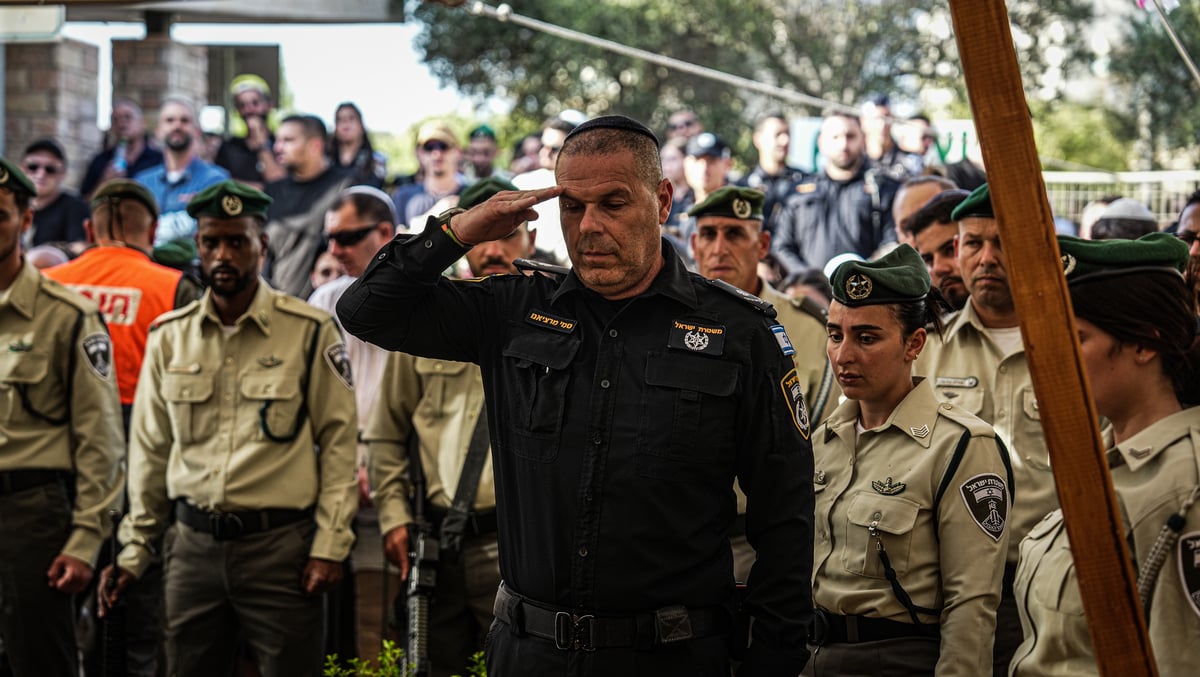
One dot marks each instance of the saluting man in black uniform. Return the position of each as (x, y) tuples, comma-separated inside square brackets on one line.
[(623, 398)]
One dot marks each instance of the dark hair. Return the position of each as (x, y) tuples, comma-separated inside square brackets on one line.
[(937, 210), (312, 126), (1193, 199), (21, 197), (1122, 229), (609, 140), (841, 113), (925, 313), (47, 145), (1149, 309), (772, 115), (559, 124), (368, 207), (364, 163)]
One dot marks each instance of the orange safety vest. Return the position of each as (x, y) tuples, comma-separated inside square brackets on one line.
[(131, 291)]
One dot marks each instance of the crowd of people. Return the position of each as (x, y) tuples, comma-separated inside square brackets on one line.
[(592, 390)]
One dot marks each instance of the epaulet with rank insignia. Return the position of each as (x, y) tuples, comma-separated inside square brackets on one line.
[(758, 304), (294, 306), (176, 314), (540, 267), (810, 307)]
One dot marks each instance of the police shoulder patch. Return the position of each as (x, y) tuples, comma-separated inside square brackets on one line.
[(793, 395), (986, 497), (339, 362), (98, 350), (1189, 569)]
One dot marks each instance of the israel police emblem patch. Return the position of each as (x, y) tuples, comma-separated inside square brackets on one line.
[(793, 393), (98, 349), (339, 362), (1189, 569), (987, 500)]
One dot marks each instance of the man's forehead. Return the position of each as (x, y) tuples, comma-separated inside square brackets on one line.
[(725, 223), (933, 237)]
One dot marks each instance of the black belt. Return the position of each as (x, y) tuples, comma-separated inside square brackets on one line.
[(478, 523), (830, 628), (226, 526), (13, 481), (739, 526), (574, 630)]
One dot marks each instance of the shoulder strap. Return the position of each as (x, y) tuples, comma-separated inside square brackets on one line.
[(302, 414), (69, 382), (455, 522), (948, 476)]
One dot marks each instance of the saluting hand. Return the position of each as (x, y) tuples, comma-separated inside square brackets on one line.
[(320, 576), (69, 575), (500, 215), (109, 593)]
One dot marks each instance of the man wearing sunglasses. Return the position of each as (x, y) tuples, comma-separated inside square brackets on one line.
[(58, 213), (439, 154)]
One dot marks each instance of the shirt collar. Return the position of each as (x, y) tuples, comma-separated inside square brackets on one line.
[(21, 295), (1140, 449), (672, 281), (915, 416), (258, 313)]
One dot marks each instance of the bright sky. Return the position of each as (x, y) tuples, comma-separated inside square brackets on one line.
[(373, 65)]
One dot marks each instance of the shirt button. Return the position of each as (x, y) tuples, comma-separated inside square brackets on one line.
[(228, 397), (605, 383), (383, 256), (588, 497), (612, 333), (1003, 370), (228, 360), (583, 552), (428, 245), (597, 440)]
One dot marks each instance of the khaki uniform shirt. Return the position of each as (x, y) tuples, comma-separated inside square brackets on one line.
[(1154, 473), (967, 369), (441, 401), (953, 560), (204, 402), (55, 349)]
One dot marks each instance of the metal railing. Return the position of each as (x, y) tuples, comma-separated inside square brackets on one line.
[(1164, 193)]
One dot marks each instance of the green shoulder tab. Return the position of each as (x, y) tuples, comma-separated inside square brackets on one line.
[(758, 304), (176, 314), (540, 267), (977, 426), (810, 307), (294, 306)]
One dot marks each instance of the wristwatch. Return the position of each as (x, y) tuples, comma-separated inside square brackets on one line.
[(443, 222)]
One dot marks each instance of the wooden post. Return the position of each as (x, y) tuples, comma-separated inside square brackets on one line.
[(1069, 422)]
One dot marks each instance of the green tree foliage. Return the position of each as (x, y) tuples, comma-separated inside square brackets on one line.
[(1162, 91), (837, 51)]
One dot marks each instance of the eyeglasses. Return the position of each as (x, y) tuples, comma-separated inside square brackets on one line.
[(349, 238), (34, 167), (681, 125), (431, 146), (1188, 237)]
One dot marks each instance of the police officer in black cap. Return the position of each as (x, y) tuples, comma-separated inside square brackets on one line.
[(623, 396)]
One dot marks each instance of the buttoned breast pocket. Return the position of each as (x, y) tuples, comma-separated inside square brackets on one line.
[(189, 404), (1054, 585), (23, 385), (894, 518), (539, 364), (277, 402), (436, 392), (687, 413)]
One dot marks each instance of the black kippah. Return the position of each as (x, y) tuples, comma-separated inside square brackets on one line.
[(615, 122)]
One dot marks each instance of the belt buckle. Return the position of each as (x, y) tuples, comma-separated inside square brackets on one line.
[(225, 526), (673, 624), (573, 632)]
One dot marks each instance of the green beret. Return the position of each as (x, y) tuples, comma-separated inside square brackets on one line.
[(482, 190), (229, 199), (12, 178), (176, 253), (897, 277), (124, 189), (732, 202), (1091, 259), (978, 204)]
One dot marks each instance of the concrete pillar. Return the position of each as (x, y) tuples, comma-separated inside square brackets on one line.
[(50, 91), (150, 69)]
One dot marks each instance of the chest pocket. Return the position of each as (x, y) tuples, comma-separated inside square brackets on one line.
[(970, 399), (276, 399), (1054, 585), (23, 384), (539, 364), (189, 403), (1036, 454), (437, 377), (687, 413), (896, 517)]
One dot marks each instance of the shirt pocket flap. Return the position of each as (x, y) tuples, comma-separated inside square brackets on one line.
[(427, 367), (187, 388), (551, 351), (275, 386), (23, 367), (1029, 400), (692, 373), (895, 515)]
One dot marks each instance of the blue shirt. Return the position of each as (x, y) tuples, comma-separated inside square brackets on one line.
[(173, 220)]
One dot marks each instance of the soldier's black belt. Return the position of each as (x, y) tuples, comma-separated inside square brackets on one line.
[(575, 630), (830, 628), (227, 526), (12, 481), (478, 523)]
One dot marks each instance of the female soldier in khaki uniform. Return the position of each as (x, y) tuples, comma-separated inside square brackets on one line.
[(1136, 330), (912, 495)]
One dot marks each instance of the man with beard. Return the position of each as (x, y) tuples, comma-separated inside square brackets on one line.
[(934, 235), (127, 150), (772, 138), (980, 365), (243, 429), (182, 173), (1187, 230), (845, 208), (441, 403), (296, 219)]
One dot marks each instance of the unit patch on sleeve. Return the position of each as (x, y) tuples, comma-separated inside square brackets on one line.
[(697, 338), (793, 394), (339, 362), (987, 501), (1189, 569), (98, 349)]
